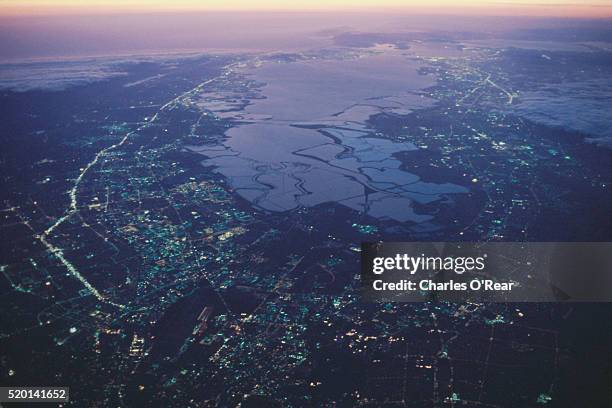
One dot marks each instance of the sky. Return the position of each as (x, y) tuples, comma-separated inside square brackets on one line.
[(39, 29), (564, 8)]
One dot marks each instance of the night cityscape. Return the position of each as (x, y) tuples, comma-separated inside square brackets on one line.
[(183, 229)]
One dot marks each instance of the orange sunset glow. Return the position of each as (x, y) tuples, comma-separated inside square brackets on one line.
[(558, 8)]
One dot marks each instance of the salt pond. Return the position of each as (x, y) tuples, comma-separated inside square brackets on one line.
[(305, 139)]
